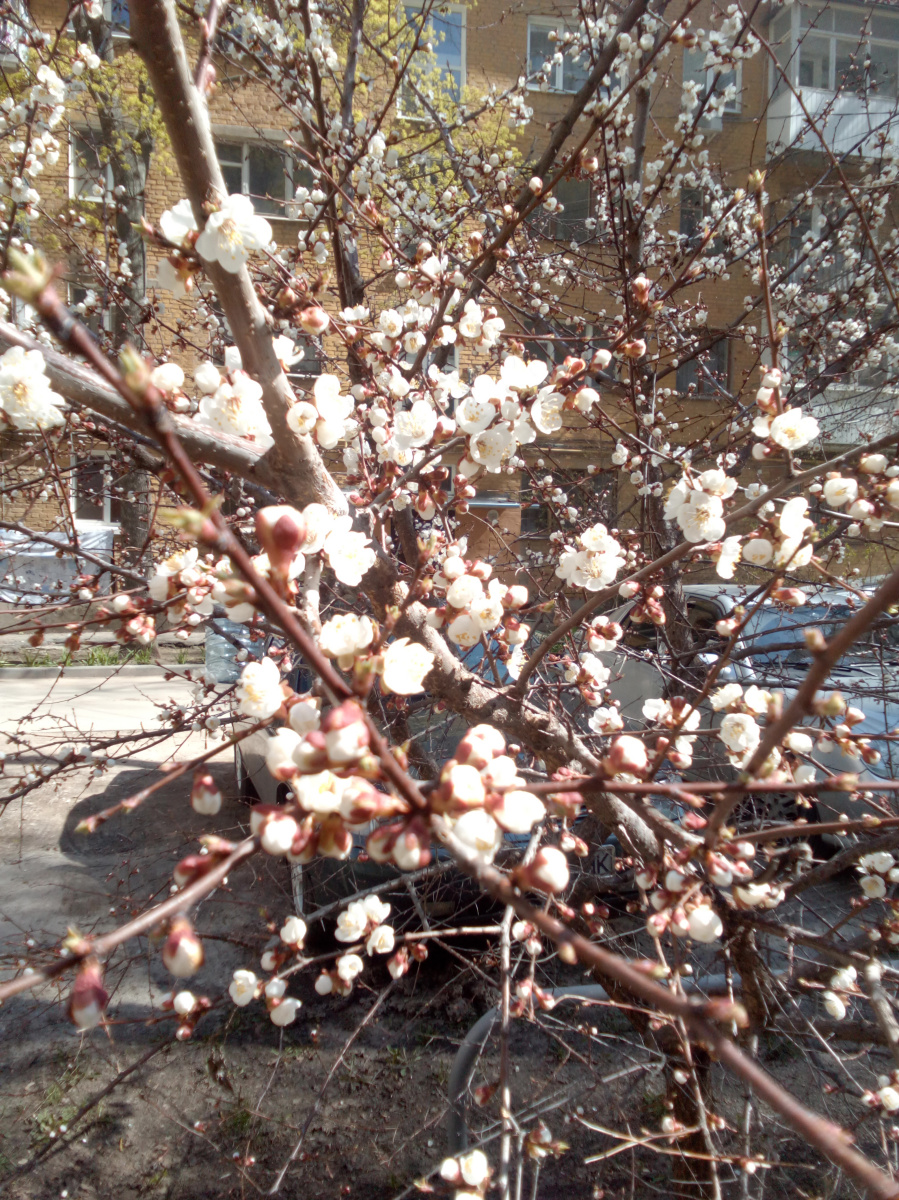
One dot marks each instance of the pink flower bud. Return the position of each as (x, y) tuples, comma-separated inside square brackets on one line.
[(205, 796), (547, 871), (399, 964), (635, 349), (191, 867), (626, 754), (183, 950), (412, 846), (792, 597), (304, 846), (278, 834), (516, 597), (535, 184), (640, 287), (461, 788), (89, 997), (481, 745), (259, 814), (379, 843), (314, 320), (281, 531), (311, 755), (334, 839), (361, 803), (346, 734)]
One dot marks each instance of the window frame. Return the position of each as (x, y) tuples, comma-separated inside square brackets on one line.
[(709, 392), (550, 25), (792, 39), (79, 460), (546, 222), (11, 55), (89, 137), (292, 168), (409, 6)]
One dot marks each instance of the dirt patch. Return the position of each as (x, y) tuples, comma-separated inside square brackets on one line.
[(224, 1113)]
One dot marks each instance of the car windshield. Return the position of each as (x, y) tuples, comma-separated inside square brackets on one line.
[(776, 637)]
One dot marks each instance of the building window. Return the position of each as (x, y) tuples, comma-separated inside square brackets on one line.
[(837, 49), (572, 223), (595, 495), (563, 74), (310, 363), (724, 83), (12, 27), (92, 497), (262, 171), (90, 173), (90, 310), (708, 372), (445, 29), (692, 214)]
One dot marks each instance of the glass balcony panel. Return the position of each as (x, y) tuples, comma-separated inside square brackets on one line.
[(884, 69), (814, 62), (811, 17)]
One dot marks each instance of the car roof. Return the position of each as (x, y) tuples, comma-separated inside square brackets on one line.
[(731, 594)]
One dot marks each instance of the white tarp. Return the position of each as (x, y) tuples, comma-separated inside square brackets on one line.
[(30, 572)]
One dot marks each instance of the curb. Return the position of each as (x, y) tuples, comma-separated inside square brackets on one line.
[(139, 670)]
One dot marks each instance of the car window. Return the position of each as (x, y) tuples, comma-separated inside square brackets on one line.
[(776, 637)]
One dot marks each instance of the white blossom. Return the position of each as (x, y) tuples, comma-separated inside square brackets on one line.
[(405, 666), (26, 399), (259, 692), (793, 429), (242, 988), (232, 233), (739, 732)]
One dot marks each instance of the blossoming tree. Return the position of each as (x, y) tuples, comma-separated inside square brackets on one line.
[(343, 548)]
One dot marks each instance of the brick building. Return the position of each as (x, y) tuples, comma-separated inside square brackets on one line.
[(762, 123)]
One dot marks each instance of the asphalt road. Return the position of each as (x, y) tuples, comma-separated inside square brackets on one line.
[(87, 698)]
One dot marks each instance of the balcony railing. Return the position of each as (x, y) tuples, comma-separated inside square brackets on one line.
[(835, 78), (844, 123)]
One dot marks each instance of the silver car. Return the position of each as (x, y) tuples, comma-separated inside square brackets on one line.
[(772, 654)]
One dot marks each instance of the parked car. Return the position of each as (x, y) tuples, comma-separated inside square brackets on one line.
[(442, 894), (772, 654)]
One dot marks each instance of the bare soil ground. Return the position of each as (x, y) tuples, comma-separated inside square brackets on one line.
[(352, 1102)]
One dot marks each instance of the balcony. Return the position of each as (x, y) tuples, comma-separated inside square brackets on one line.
[(841, 65), (847, 124)]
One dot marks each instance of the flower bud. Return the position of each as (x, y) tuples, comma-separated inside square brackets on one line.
[(183, 950), (334, 839), (626, 754), (640, 287), (480, 746), (293, 931), (461, 789), (278, 833), (281, 531), (346, 734), (547, 871), (89, 997), (313, 320), (412, 846), (205, 796)]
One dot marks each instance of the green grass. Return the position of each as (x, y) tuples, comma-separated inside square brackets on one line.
[(97, 656)]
